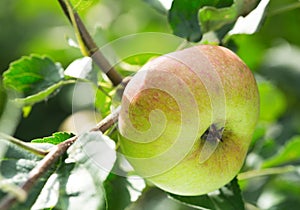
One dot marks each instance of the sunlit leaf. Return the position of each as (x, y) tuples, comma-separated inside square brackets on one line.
[(56, 138), (96, 152), (96, 155), (81, 4), (15, 166), (252, 22), (81, 69)]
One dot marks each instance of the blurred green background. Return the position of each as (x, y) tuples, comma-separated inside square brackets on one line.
[(273, 54)]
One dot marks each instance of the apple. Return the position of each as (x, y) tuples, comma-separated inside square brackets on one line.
[(187, 119)]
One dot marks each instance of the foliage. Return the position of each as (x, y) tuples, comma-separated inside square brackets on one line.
[(263, 33)]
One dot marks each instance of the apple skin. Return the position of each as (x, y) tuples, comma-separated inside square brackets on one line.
[(167, 109)]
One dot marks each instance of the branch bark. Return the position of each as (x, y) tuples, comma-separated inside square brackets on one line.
[(92, 48), (52, 157)]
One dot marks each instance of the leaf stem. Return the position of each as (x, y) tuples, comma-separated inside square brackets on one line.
[(23, 145), (92, 49), (265, 172), (52, 157)]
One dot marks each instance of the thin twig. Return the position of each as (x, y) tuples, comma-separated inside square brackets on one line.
[(91, 47), (51, 158), (265, 172), (23, 145)]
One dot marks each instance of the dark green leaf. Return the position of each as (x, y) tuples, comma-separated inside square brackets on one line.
[(226, 198), (117, 194), (183, 17), (56, 138)]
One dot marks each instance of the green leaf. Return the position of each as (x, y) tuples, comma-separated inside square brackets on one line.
[(288, 153), (56, 138), (34, 77), (212, 18), (222, 20), (122, 189), (32, 74), (226, 198), (183, 17)]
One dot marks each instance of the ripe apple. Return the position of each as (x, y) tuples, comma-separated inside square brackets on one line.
[(187, 119)]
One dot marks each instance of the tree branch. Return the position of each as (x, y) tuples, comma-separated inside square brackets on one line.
[(92, 48), (53, 156)]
